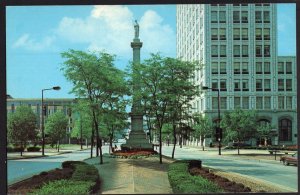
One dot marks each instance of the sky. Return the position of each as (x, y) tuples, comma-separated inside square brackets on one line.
[(37, 35)]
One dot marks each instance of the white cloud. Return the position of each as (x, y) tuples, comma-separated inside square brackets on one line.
[(111, 28), (28, 43)]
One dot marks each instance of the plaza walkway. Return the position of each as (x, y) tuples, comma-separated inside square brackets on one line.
[(133, 176)]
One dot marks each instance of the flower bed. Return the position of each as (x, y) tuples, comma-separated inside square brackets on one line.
[(133, 154)]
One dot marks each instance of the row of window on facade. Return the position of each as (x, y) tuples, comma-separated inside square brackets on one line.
[(262, 102), (240, 34), (240, 51), (243, 4), (48, 111), (240, 17), (261, 84), (243, 68)]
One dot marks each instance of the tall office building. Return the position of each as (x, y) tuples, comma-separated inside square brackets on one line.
[(237, 47)]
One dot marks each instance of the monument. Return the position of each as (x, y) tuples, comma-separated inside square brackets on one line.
[(137, 137)]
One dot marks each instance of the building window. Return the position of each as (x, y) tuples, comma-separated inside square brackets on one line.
[(266, 17), (223, 85), (223, 103), (267, 50), (237, 68), (280, 84), (258, 34), (288, 83), (245, 50), (223, 68), (245, 68), (214, 51), (244, 17), (267, 85), (267, 102), (258, 84), (237, 85), (214, 17), (245, 101), (214, 34), (280, 68), (245, 33), (222, 17), (245, 85), (258, 50), (222, 34), (288, 68), (267, 68), (236, 17), (236, 51), (222, 50), (236, 34), (214, 67), (258, 67), (214, 84), (237, 102), (214, 103), (258, 18), (266, 34), (280, 102), (289, 100), (259, 103), (285, 130)]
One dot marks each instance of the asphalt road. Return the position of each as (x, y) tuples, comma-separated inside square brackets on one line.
[(270, 171), (18, 170)]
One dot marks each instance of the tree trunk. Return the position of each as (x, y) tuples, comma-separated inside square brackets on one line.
[(202, 140), (238, 146), (175, 140), (58, 146), (81, 134), (110, 144), (92, 142), (160, 145)]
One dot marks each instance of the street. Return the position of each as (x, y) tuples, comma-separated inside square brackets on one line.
[(18, 170), (274, 172)]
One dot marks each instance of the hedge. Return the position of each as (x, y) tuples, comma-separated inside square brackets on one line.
[(33, 149), (290, 148), (85, 179), (183, 182), (65, 187)]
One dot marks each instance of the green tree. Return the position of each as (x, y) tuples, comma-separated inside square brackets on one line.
[(96, 79), (55, 127), (264, 132), (21, 127), (166, 89), (239, 125), (203, 127)]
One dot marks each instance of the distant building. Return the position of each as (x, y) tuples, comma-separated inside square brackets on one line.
[(237, 45), (52, 105)]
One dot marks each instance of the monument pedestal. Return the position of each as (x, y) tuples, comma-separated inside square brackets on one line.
[(137, 137)]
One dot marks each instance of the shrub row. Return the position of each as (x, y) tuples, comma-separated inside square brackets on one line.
[(20, 149), (183, 182), (133, 156), (292, 148), (85, 180)]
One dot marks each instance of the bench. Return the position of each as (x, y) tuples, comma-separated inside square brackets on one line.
[(279, 152)]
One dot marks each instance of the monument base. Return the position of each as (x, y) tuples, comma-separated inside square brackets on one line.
[(137, 141)]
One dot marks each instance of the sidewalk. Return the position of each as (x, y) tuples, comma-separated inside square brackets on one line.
[(48, 152), (133, 176)]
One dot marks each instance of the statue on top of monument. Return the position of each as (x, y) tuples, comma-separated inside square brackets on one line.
[(136, 29)]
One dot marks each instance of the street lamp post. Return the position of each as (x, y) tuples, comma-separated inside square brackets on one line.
[(42, 121), (219, 116)]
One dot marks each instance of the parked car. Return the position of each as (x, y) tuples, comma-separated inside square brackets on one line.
[(242, 144), (289, 159)]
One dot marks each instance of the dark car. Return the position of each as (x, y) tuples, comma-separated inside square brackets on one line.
[(290, 159)]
